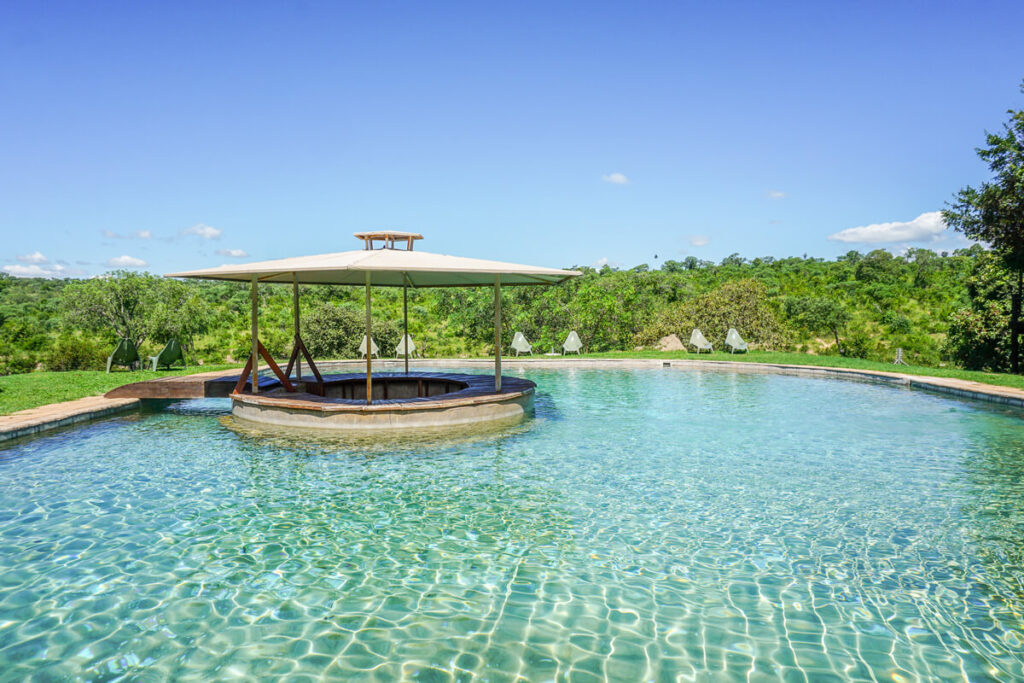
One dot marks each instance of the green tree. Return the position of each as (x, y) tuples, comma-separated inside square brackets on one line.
[(179, 312), (977, 337), (121, 302), (817, 314), (994, 212)]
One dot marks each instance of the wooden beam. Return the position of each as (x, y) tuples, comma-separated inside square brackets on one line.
[(295, 321), (300, 347), (497, 333), (288, 386), (240, 384), (405, 324), (369, 346), (254, 354)]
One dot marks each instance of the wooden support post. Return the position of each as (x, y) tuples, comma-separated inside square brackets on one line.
[(497, 333), (295, 316), (369, 345), (255, 354), (405, 324)]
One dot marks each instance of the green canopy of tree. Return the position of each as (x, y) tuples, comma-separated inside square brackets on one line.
[(993, 213)]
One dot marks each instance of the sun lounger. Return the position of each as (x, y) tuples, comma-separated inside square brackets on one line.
[(171, 353), (734, 341), (520, 345), (697, 339), (572, 343), (124, 354), (374, 351), (406, 342)]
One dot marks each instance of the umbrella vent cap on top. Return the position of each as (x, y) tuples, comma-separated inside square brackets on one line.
[(388, 239)]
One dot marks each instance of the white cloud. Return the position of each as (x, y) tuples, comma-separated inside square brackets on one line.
[(233, 253), (35, 257), (601, 262), (125, 262), (699, 240), (615, 179), (928, 227), (205, 231), (775, 194), (140, 234), (36, 270)]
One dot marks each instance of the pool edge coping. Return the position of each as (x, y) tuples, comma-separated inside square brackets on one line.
[(55, 415)]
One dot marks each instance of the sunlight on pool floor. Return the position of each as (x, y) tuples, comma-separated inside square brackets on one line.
[(646, 524)]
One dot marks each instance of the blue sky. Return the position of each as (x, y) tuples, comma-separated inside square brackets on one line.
[(184, 135)]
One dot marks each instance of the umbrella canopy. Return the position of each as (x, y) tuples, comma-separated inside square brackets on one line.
[(387, 268)]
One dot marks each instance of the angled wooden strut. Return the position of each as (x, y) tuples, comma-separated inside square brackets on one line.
[(240, 385), (300, 347)]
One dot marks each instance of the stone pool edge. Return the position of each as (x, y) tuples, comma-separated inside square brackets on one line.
[(55, 415)]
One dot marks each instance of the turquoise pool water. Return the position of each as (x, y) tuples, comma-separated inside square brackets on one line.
[(646, 525)]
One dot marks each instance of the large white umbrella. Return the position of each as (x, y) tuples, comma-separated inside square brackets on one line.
[(382, 267)]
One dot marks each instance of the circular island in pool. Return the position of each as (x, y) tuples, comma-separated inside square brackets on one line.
[(362, 401), (399, 401)]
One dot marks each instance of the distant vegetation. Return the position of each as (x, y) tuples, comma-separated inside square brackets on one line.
[(939, 308)]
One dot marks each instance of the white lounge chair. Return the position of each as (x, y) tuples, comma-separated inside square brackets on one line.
[(572, 343), (697, 339), (734, 341), (520, 345), (374, 351), (400, 349)]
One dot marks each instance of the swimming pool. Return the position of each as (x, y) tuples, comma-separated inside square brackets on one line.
[(646, 524)]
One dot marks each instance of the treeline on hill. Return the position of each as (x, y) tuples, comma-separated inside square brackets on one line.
[(938, 308)]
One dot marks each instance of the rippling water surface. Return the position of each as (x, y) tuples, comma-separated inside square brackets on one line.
[(645, 525)]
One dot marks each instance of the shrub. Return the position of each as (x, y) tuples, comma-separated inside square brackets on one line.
[(977, 337), (331, 331), (743, 304), (76, 352), (897, 322), (16, 363), (857, 345)]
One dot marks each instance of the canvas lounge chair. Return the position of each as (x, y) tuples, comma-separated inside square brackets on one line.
[(374, 351), (124, 354), (402, 345), (697, 339), (520, 345), (734, 341), (572, 344), (171, 353)]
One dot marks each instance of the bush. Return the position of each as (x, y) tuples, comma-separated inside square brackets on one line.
[(897, 322), (76, 352), (857, 345), (977, 337), (331, 331), (16, 362), (743, 304)]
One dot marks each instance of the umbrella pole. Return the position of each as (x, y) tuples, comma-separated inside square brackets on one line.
[(405, 325), (497, 333), (255, 337), (369, 346), (295, 316)]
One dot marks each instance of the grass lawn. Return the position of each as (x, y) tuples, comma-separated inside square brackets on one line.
[(791, 358), (19, 392)]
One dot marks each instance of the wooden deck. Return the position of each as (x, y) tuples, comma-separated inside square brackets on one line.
[(202, 385)]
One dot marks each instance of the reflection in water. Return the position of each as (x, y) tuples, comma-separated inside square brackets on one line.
[(646, 525), (366, 442)]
